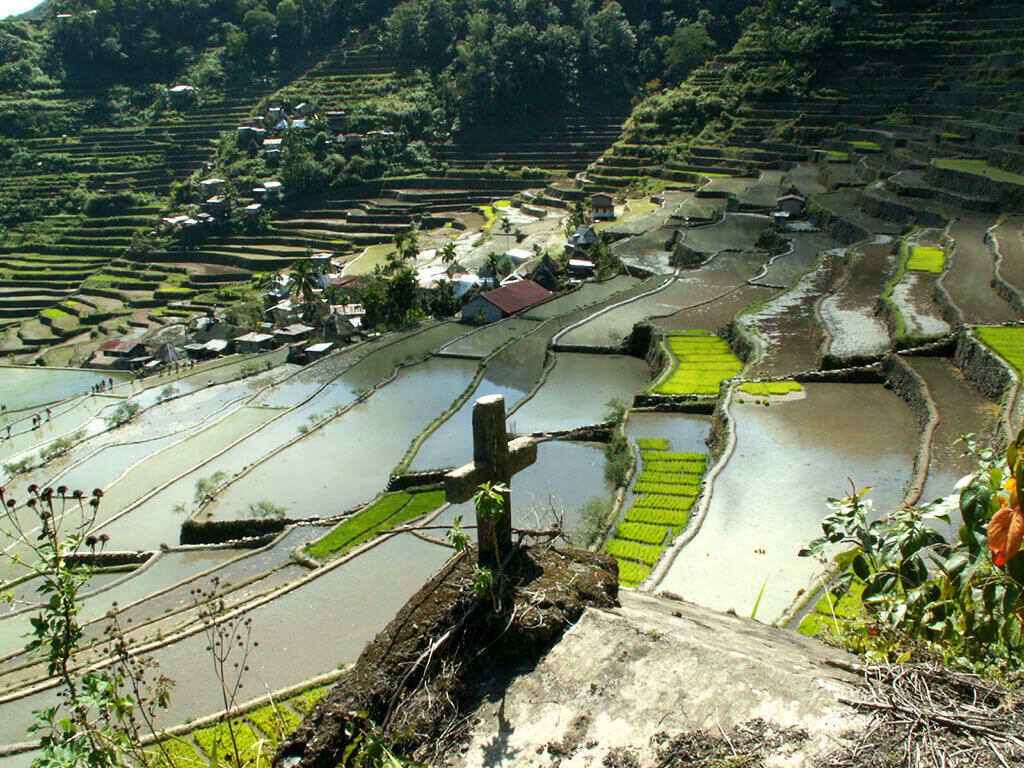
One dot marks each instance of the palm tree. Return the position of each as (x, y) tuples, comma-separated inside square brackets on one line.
[(506, 229), (412, 244), (305, 281), (448, 252)]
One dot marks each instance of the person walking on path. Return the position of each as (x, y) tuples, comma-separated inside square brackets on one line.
[(47, 415)]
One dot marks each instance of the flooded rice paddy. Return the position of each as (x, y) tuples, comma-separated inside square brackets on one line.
[(769, 500), (319, 440)]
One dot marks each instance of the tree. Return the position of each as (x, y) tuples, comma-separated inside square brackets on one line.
[(448, 252), (688, 48), (305, 281), (506, 229), (259, 25), (442, 300)]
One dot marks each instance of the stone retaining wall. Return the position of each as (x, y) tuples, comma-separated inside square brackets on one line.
[(221, 531), (108, 559), (404, 480)]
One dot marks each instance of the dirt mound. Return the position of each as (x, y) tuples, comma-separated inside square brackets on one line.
[(410, 679)]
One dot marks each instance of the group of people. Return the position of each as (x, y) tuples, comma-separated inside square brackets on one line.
[(37, 419), (102, 386)]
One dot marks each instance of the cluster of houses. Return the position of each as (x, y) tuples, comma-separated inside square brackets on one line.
[(215, 205)]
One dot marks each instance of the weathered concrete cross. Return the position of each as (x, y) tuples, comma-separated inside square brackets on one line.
[(495, 460)]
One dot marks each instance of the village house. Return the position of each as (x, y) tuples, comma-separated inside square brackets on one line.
[(122, 354), (293, 333), (493, 305), (602, 207), (182, 96), (217, 206), (253, 210), (792, 204), (210, 187), (335, 119), (547, 273), (274, 189), (580, 269), (316, 351), (250, 343), (580, 241)]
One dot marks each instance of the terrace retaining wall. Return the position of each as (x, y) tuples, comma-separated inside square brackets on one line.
[(403, 480), (994, 379), (222, 531)]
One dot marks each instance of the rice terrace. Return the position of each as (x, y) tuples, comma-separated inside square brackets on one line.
[(476, 382)]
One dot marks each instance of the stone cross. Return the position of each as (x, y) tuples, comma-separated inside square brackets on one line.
[(495, 460)]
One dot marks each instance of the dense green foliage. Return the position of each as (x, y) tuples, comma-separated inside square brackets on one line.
[(490, 55)]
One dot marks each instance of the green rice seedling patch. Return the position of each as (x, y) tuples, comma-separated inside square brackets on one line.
[(980, 168), (926, 258), (1007, 342), (249, 743), (306, 700), (53, 313), (652, 444), (275, 720), (359, 527), (181, 753), (647, 554), (771, 388), (387, 512), (641, 532), (837, 156), (673, 518), (660, 512), (831, 610), (702, 362), (632, 574), (868, 146)]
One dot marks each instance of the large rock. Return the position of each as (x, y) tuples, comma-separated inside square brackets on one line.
[(622, 676)]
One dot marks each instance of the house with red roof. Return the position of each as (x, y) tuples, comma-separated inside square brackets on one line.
[(504, 301)]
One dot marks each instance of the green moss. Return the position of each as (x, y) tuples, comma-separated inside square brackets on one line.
[(305, 701)]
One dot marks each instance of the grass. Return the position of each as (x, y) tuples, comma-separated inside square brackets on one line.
[(769, 388), (667, 486), (702, 362), (980, 168), (1007, 342), (390, 510)]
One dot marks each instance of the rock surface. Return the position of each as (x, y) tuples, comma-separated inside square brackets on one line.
[(622, 676)]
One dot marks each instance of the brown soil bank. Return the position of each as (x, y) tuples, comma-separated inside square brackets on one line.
[(411, 680)]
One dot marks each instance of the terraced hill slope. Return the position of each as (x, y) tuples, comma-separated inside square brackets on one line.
[(889, 92)]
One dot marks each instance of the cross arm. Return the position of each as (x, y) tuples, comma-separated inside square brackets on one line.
[(460, 484)]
